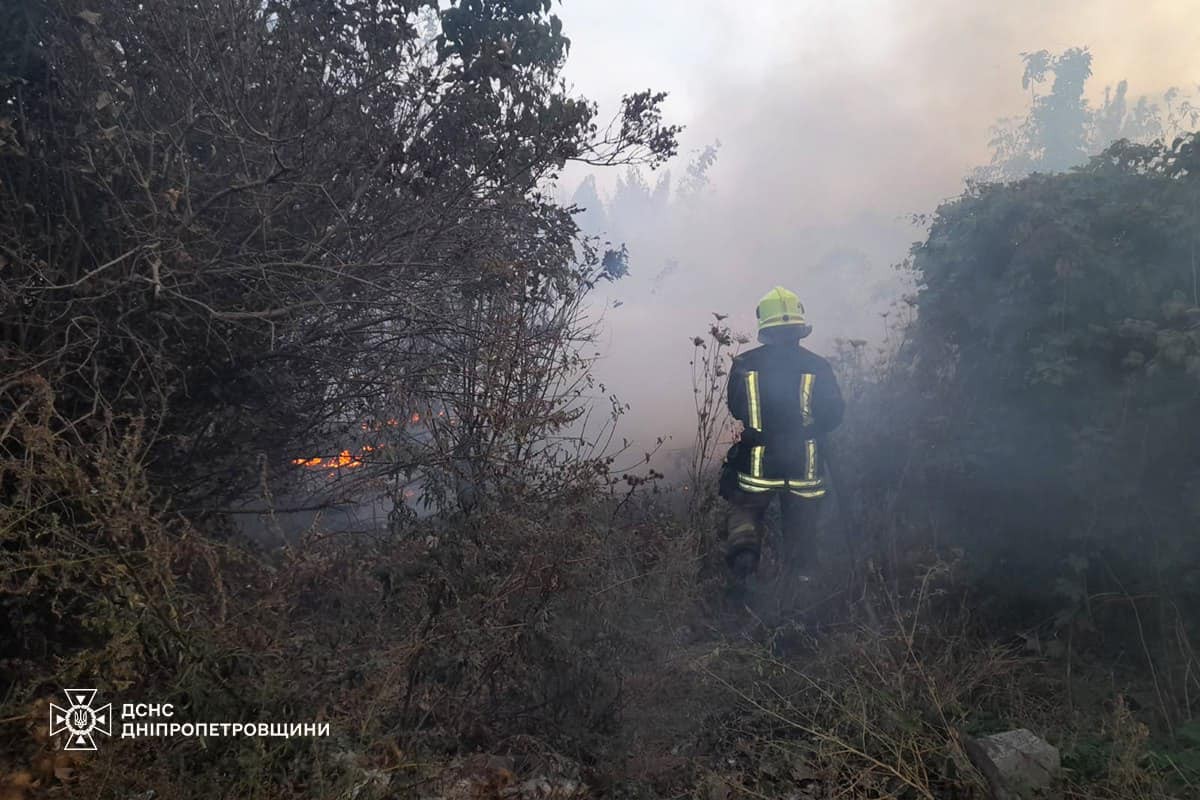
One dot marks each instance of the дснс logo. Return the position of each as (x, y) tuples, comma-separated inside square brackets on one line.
[(79, 719)]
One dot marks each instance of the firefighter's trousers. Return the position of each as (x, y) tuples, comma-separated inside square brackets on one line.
[(745, 526)]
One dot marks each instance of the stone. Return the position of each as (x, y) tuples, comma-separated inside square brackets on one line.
[(1018, 765)]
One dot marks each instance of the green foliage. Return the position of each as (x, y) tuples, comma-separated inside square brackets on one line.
[(1039, 412), (1118, 756), (1061, 128), (1088, 759), (1058, 119)]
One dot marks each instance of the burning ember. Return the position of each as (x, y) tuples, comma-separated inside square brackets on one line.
[(391, 423), (342, 459), (348, 460)]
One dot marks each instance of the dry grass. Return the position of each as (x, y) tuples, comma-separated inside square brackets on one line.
[(566, 651)]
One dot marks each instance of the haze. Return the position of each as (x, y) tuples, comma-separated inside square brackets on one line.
[(837, 122)]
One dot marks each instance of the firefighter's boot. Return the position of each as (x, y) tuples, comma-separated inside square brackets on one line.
[(743, 535)]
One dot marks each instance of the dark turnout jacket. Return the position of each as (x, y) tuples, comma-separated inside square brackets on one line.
[(787, 399)]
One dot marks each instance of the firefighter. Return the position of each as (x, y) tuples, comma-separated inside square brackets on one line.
[(787, 400)]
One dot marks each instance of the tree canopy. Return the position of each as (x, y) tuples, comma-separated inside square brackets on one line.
[(1056, 359), (257, 225)]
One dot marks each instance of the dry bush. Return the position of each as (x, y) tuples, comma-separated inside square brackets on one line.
[(91, 562), (227, 248), (256, 243), (536, 637), (848, 711), (711, 358), (100, 585), (832, 702), (562, 639)]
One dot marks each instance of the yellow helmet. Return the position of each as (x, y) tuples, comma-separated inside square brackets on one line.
[(781, 308)]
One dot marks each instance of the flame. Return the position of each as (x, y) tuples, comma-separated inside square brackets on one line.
[(342, 459), (347, 459)]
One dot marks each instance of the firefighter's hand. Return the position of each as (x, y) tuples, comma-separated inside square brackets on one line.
[(750, 437)]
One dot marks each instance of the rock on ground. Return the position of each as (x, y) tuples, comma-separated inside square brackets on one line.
[(1018, 765)]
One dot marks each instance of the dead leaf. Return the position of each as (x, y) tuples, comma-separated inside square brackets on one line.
[(717, 789), (90, 17), (43, 765), (19, 780)]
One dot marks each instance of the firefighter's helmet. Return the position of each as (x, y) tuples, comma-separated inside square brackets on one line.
[(781, 308)]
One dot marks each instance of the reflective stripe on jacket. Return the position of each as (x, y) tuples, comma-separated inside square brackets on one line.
[(787, 399)]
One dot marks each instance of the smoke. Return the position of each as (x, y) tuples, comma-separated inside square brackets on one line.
[(837, 122)]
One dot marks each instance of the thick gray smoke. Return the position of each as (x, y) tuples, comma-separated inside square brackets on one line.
[(836, 123)]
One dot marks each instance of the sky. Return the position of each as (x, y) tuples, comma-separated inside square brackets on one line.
[(837, 121)]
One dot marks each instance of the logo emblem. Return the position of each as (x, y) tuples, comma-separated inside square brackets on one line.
[(79, 719)]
